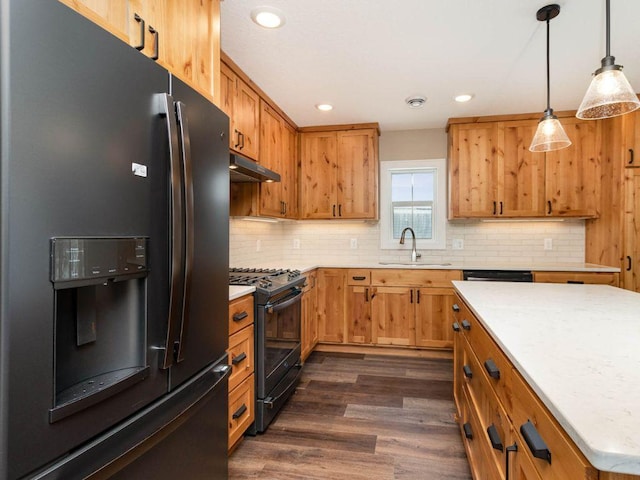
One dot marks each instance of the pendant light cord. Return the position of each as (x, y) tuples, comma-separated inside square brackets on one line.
[(548, 75), (608, 29)]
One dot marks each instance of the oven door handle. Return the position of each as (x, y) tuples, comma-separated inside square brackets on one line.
[(276, 307)]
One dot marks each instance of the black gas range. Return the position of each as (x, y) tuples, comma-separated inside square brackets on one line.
[(269, 282), (277, 337)]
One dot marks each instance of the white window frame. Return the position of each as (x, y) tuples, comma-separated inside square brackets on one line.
[(439, 240)]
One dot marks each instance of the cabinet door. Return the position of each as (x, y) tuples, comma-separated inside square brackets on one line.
[(309, 309), (271, 156), (227, 97), (331, 305), (523, 468), (473, 170), (358, 314), (357, 174), (393, 316), (631, 250), (318, 163), (522, 172), (289, 171), (434, 317), (246, 112), (154, 14), (113, 16), (572, 173)]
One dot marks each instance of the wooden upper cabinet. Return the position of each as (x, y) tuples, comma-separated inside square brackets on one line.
[(473, 170), (522, 172), (339, 173), (572, 174), (183, 37), (278, 153), (242, 104), (318, 158), (492, 173)]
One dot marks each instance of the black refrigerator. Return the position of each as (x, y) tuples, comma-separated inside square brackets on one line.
[(114, 196)]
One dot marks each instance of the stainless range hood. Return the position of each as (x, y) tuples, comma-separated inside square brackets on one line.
[(243, 170)]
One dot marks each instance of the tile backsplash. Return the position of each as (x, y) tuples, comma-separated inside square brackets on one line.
[(254, 243)]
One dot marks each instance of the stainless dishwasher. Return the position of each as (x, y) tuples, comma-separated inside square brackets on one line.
[(497, 275)]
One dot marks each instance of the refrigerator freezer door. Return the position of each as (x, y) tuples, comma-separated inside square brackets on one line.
[(78, 126), (205, 334)]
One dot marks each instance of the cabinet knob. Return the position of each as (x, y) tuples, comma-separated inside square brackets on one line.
[(492, 369), (238, 413), (466, 325), (456, 327), (494, 438), (455, 307), (239, 316), (239, 358), (468, 432), (467, 371), (535, 442)]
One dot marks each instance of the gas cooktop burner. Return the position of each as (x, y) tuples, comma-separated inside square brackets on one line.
[(267, 280)]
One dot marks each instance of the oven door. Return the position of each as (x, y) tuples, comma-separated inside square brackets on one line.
[(278, 340)]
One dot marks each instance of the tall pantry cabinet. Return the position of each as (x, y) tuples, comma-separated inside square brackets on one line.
[(614, 238)]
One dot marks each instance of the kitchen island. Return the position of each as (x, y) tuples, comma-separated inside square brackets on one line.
[(576, 348)]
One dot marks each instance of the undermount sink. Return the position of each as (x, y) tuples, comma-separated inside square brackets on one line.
[(414, 264)]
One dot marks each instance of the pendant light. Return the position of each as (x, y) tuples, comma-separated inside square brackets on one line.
[(609, 94), (550, 135)]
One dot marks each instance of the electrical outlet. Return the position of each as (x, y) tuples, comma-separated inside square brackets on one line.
[(354, 243), (258, 245), (458, 244), (548, 244), (296, 244)]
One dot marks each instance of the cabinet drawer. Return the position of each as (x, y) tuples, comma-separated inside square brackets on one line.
[(240, 313), (496, 428), (566, 460), (493, 363), (604, 278), (415, 278), (358, 276), (241, 409), (241, 356)]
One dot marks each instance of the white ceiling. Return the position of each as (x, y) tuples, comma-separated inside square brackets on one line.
[(366, 56)]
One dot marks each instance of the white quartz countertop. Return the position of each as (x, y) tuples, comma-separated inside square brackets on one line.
[(578, 346), (239, 291), (306, 266)]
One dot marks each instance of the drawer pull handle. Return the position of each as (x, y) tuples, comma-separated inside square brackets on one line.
[(456, 327), (494, 438), (156, 43), (455, 307), (468, 433), (238, 413), (140, 20), (492, 369), (467, 371), (239, 358), (240, 316), (466, 325), (575, 282), (535, 442), (359, 278)]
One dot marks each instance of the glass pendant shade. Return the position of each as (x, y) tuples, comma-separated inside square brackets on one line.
[(550, 135), (609, 95)]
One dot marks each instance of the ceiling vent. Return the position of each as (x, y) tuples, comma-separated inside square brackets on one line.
[(416, 101)]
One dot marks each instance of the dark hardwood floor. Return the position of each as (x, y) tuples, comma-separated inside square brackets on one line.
[(361, 417)]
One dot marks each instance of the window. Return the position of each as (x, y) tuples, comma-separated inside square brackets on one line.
[(413, 194)]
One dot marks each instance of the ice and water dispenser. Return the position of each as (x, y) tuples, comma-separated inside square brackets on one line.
[(100, 319)]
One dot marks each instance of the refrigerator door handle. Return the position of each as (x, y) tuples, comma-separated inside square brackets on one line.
[(185, 141), (176, 233)]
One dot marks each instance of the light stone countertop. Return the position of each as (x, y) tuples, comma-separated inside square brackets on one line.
[(578, 348), (237, 291)]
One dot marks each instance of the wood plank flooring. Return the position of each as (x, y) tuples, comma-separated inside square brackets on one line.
[(361, 417)]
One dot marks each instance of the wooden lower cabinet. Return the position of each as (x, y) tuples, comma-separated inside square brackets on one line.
[(393, 315), (241, 359), (434, 317), (331, 305), (490, 395), (309, 307)]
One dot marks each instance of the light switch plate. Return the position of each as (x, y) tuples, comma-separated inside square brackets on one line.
[(458, 244)]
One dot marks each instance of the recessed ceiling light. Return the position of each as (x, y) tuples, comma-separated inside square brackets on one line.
[(416, 101), (324, 107), (465, 97), (268, 17)]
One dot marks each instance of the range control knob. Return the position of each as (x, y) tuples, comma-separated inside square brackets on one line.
[(293, 274)]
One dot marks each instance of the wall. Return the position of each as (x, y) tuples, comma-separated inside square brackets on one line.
[(329, 242)]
